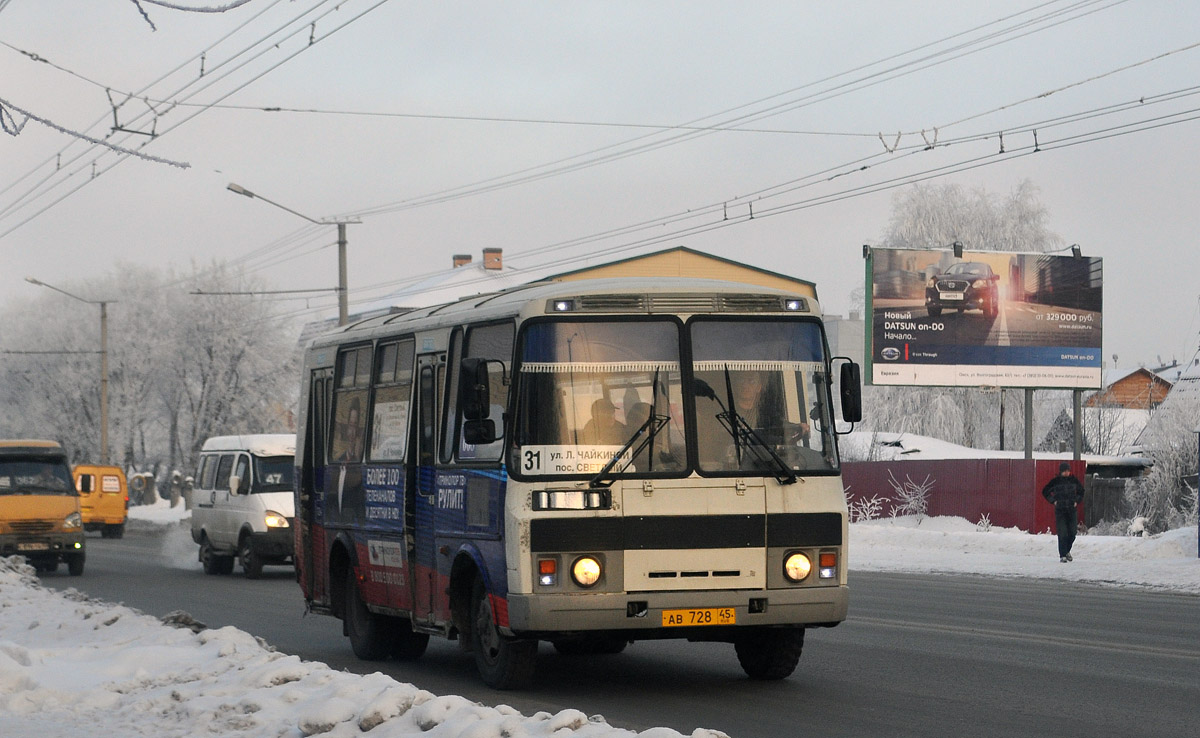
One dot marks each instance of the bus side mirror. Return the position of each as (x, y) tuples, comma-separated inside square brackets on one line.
[(479, 432), (473, 391), (851, 392)]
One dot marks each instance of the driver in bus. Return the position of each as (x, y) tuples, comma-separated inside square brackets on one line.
[(603, 429)]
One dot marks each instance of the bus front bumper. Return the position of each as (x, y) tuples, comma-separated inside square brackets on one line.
[(643, 611)]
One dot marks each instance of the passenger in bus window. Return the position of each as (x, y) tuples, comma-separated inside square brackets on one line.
[(603, 429)]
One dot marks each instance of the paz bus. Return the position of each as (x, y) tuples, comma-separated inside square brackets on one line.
[(587, 464)]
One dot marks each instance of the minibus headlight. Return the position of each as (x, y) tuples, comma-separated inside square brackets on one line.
[(72, 521), (585, 571), (796, 567), (275, 520)]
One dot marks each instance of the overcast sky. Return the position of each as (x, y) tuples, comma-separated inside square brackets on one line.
[(425, 98)]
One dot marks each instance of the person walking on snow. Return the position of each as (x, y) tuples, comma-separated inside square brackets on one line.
[(1064, 492)]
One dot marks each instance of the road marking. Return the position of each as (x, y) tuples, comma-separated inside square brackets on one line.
[(1122, 648)]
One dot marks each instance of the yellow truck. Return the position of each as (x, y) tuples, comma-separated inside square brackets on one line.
[(39, 506), (103, 498)]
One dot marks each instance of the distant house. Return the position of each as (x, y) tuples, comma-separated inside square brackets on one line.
[(1140, 389), (1114, 417)]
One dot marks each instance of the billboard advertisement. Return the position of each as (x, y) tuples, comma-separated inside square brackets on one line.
[(983, 319)]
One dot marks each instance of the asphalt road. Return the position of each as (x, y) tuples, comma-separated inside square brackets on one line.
[(919, 656)]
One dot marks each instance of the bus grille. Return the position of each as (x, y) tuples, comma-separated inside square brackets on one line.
[(613, 303)]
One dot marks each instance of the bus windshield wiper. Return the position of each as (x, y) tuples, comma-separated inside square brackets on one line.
[(654, 424), (741, 432)]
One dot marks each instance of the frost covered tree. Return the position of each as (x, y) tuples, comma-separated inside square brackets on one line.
[(928, 216), (1164, 497), (181, 366)]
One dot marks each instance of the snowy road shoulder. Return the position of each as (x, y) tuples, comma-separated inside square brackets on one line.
[(1167, 561), (72, 666)]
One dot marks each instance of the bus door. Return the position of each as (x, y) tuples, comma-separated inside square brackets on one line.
[(311, 480), (430, 373)]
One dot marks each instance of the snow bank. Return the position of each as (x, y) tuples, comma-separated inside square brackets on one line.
[(72, 666), (1166, 561)]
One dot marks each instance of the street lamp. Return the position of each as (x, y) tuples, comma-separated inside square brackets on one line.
[(103, 361), (343, 312)]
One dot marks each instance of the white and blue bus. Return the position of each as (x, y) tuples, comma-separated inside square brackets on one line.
[(584, 463)]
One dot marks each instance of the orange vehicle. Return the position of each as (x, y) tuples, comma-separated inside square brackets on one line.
[(103, 498), (39, 507)]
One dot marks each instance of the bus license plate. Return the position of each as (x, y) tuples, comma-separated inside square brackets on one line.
[(34, 546), (699, 616)]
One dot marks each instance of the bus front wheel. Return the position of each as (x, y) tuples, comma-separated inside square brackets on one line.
[(503, 662), (771, 653)]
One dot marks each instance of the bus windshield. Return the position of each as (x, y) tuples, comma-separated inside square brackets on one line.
[(590, 391), (762, 402)]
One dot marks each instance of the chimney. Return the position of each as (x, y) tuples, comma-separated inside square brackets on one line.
[(461, 260), (493, 259)]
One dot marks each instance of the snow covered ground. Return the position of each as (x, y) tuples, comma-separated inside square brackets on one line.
[(72, 666)]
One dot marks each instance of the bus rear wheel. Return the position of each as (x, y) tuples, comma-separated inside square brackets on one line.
[(503, 662), (370, 637), (770, 653), (409, 645)]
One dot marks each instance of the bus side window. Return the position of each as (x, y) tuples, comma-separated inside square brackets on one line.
[(451, 421), (427, 440), (494, 343), (349, 404), (389, 411)]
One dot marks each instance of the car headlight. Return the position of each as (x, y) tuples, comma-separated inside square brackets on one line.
[(979, 284), (796, 567), (585, 571), (275, 520), (72, 521)]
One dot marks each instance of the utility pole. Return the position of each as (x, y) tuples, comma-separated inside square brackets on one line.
[(103, 360), (342, 289)]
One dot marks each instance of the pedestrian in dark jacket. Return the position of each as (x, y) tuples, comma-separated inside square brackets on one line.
[(1064, 492)]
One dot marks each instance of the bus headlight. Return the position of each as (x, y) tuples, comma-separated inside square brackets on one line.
[(274, 520), (72, 521), (585, 571), (796, 567)]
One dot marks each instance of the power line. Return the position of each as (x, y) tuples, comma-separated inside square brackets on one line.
[(313, 40)]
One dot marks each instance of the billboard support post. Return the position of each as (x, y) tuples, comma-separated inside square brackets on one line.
[(1028, 422), (1077, 409)]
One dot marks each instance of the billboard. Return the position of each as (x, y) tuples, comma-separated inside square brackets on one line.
[(985, 319)]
